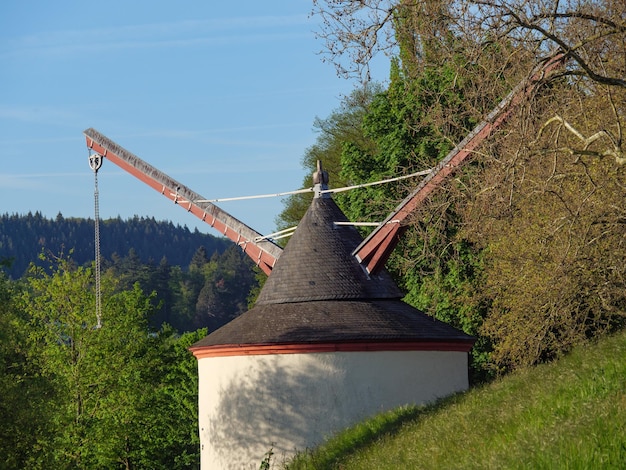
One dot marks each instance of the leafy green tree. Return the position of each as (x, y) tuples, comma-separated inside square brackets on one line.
[(413, 125), (521, 248), (105, 406), (162, 286), (343, 126), (178, 403), (402, 140), (23, 390)]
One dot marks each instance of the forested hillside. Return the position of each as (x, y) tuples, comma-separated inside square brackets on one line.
[(24, 237), (198, 280)]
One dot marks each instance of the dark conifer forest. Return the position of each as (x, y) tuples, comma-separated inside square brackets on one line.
[(24, 237), (197, 280)]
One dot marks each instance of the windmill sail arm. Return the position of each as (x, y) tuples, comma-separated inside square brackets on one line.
[(374, 251), (261, 250)]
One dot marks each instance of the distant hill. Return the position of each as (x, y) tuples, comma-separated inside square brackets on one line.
[(24, 237)]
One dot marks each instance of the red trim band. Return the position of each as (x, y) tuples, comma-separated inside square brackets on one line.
[(264, 349)]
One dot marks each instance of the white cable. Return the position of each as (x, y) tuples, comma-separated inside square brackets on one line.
[(241, 198), (358, 224), (285, 235), (276, 235), (307, 190), (367, 224), (390, 180)]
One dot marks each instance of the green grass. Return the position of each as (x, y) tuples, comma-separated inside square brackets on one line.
[(570, 414)]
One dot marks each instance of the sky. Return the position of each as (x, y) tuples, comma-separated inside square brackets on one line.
[(221, 96)]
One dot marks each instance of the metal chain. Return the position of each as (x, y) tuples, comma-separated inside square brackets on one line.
[(95, 162)]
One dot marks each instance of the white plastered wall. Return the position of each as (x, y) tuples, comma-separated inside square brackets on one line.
[(288, 402)]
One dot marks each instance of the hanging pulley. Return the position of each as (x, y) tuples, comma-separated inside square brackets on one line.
[(95, 161)]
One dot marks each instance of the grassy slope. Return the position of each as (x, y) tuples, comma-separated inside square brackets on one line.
[(569, 414)]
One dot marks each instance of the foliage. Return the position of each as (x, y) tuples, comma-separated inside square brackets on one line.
[(199, 281), (22, 389), (413, 124), (266, 463), (405, 140), (590, 32), (104, 397), (224, 294), (552, 219), (400, 132), (524, 247), (178, 397), (259, 281), (341, 128), (568, 414)]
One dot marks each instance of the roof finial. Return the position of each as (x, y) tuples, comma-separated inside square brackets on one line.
[(320, 181)]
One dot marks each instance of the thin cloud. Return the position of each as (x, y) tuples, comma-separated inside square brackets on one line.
[(37, 114), (22, 176), (35, 181), (176, 34), (186, 134)]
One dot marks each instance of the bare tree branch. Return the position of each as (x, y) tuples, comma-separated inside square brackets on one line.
[(355, 31), (615, 152), (511, 15)]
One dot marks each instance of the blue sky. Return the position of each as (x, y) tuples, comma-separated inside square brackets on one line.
[(219, 95)]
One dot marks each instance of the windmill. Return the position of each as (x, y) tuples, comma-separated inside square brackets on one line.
[(329, 340)]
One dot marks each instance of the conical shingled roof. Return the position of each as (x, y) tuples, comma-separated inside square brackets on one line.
[(317, 263), (318, 293)]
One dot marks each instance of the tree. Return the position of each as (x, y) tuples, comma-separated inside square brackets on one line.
[(358, 30), (178, 398), (23, 391), (435, 265), (104, 406), (431, 102), (162, 286), (341, 127), (590, 32), (548, 210), (222, 297), (530, 233)]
